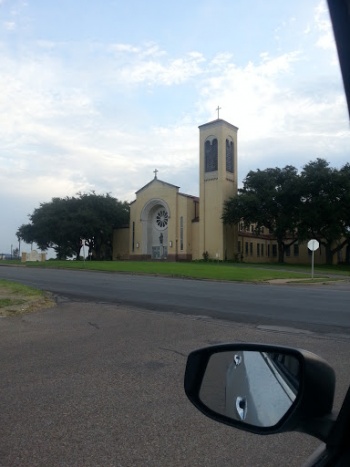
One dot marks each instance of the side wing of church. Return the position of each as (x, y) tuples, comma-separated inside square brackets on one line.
[(167, 224)]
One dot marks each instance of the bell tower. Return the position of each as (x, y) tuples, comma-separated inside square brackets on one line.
[(218, 183)]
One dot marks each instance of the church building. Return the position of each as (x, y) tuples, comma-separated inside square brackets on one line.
[(170, 225)]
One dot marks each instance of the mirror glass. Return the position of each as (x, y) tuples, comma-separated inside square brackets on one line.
[(257, 388)]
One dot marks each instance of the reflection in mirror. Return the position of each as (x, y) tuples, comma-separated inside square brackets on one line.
[(257, 388)]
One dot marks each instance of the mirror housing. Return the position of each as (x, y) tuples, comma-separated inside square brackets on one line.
[(310, 410)]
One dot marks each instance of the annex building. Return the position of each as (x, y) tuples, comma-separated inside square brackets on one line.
[(166, 224)]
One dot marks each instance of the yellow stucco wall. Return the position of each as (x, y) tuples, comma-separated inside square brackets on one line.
[(196, 254), (153, 194), (188, 210), (178, 241), (215, 188), (121, 243), (262, 249)]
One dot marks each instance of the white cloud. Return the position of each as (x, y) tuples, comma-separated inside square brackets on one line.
[(150, 66), (252, 96), (10, 25), (128, 48), (109, 115), (325, 40), (280, 121)]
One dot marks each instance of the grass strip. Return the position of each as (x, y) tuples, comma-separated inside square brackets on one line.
[(200, 270), (6, 302), (19, 289)]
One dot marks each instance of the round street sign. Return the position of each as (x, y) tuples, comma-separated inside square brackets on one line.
[(313, 245)]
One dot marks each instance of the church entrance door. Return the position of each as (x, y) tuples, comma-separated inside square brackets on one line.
[(155, 219), (159, 252)]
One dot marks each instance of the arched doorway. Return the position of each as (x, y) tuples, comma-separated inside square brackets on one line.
[(155, 218)]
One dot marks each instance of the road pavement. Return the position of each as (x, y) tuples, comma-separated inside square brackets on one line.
[(97, 381), (87, 384), (322, 308)]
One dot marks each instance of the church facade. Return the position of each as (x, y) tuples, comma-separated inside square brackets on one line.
[(168, 224)]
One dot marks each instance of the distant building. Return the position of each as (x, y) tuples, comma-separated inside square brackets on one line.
[(6, 256)]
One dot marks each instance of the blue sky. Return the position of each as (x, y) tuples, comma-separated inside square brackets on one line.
[(96, 95)]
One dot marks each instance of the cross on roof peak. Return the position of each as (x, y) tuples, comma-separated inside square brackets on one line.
[(155, 171)]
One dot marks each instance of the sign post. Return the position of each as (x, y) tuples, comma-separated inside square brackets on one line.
[(313, 246)]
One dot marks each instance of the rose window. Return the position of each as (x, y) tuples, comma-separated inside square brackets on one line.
[(162, 218)]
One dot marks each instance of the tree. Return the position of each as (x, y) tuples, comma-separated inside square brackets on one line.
[(345, 198), (100, 215), (64, 223), (15, 253), (325, 213), (269, 198), (50, 227)]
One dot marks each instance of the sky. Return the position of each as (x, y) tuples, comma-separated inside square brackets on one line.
[(97, 95)]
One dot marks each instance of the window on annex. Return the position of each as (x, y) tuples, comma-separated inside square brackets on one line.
[(246, 248), (288, 251), (133, 237), (258, 249), (274, 251), (268, 251), (262, 249), (181, 233), (251, 249)]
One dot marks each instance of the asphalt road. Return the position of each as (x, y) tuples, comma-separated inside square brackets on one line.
[(98, 382), (87, 384), (317, 308)]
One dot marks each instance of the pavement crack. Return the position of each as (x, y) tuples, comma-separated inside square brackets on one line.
[(173, 351), (94, 325)]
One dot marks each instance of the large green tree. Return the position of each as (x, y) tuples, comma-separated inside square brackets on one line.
[(312, 204), (325, 213), (65, 223), (48, 227), (269, 198), (100, 215), (345, 175)]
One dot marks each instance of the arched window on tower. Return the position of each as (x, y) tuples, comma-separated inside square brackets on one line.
[(229, 155), (211, 155)]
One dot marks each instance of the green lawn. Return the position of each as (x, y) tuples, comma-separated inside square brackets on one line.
[(198, 270), (18, 289)]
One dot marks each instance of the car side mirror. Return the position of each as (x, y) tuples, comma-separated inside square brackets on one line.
[(260, 388), (255, 387)]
